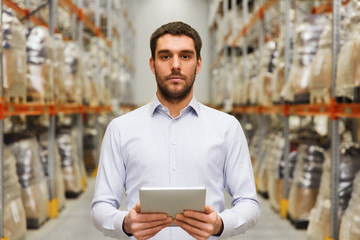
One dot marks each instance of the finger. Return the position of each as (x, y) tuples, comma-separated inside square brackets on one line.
[(140, 226), (151, 217), (193, 230), (137, 207), (148, 232), (209, 209)]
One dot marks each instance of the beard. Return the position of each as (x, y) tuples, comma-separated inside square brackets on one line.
[(175, 94)]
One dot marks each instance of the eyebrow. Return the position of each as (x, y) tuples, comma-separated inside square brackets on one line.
[(182, 51)]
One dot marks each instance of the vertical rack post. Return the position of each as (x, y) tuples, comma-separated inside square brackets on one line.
[(98, 82), (233, 50), (109, 37), (284, 201), (261, 117), (335, 137), (53, 203), (79, 115), (2, 237), (228, 78)]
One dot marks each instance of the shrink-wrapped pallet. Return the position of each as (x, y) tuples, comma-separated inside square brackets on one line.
[(265, 77), (275, 180), (69, 162), (34, 192), (43, 140), (276, 177), (348, 70), (350, 224), (321, 70), (90, 147), (90, 88), (74, 73), (39, 61), (14, 58), (306, 40), (319, 220), (321, 66), (14, 212), (305, 186), (59, 68)]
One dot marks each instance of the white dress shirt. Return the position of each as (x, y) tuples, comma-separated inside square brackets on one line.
[(149, 148)]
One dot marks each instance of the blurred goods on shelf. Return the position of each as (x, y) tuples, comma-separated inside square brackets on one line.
[(14, 213), (35, 193), (14, 58), (39, 58)]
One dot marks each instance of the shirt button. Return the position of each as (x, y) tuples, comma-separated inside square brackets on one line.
[(174, 168), (173, 143)]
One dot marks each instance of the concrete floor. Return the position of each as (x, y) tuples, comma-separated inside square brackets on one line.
[(74, 222)]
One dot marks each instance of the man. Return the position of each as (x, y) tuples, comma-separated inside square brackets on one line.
[(175, 141)]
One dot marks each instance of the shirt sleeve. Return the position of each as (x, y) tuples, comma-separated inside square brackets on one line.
[(109, 187), (240, 184)]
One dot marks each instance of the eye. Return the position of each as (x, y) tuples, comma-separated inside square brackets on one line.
[(165, 57), (185, 57)]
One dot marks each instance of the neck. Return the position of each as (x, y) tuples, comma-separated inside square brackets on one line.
[(175, 105)]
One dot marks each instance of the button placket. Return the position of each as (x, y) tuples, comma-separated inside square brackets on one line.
[(172, 151)]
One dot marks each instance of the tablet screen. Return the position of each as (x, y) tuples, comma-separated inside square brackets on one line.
[(172, 200)]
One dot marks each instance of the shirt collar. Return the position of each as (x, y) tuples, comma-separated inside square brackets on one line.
[(155, 104)]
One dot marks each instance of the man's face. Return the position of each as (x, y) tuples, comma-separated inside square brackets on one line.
[(175, 66)]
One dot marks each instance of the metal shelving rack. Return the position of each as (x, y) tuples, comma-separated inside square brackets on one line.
[(52, 109), (333, 110)]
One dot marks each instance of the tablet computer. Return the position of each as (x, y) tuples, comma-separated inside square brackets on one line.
[(172, 200)]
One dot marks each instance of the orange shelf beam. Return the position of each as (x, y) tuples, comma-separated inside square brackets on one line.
[(254, 20), (12, 109), (32, 109), (24, 12), (350, 110)]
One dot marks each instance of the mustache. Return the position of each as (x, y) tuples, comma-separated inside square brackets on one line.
[(175, 74)]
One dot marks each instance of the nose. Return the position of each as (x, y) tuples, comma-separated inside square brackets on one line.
[(176, 63)]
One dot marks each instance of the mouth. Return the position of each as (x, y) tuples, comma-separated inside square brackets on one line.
[(175, 78)]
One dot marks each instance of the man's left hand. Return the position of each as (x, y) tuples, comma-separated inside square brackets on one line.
[(200, 225)]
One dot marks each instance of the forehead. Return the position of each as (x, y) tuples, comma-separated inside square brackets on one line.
[(175, 43)]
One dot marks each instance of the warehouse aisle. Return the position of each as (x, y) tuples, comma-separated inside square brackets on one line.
[(74, 223)]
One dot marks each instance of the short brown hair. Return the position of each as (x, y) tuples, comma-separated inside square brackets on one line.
[(176, 28)]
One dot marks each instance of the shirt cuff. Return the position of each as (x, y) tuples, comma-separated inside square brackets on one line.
[(231, 225), (119, 225)]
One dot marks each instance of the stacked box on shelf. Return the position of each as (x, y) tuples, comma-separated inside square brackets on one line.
[(276, 169), (275, 177), (90, 145), (306, 40), (14, 58), (265, 77), (348, 71), (59, 68), (350, 223), (34, 193), (13, 212), (71, 169), (311, 154), (39, 58), (74, 73), (43, 138), (319, 220)]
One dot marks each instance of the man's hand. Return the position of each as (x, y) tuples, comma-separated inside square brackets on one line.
[(144, 226), (200, 225)]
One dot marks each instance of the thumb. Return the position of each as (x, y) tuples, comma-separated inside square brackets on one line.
[(208, 209), (137, 207)]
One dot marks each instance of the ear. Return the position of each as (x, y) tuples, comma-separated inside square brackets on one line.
[(198, 65), (152, 65)]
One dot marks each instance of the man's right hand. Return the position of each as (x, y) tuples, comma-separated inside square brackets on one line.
[(144, 226)]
